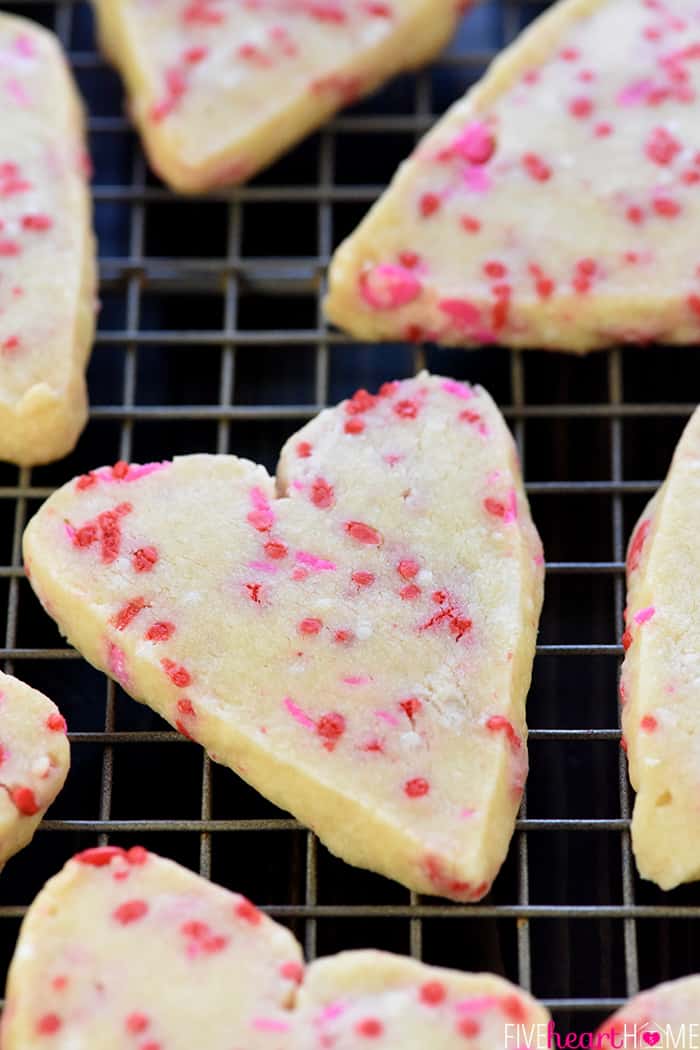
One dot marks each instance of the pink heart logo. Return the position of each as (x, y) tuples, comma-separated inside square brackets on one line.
[(651, 1038)]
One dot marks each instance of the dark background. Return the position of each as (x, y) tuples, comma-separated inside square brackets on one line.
[(211, 339)]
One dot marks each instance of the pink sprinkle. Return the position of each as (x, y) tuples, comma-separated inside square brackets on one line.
[(263, 566), (356, 679), (297, 714), (645, 614), (313, 562), (634, 94), (132, 472), (387, 287), (475, 1005), (261, 516), (460, 390), (511, 513), (116, 663), (477, 180), (387, 716), (461, 312), (475, 144), (466, 813), (269, 1024), (330, 1012)]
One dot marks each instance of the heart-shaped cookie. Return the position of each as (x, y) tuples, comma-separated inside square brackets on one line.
[(553, 206), (355, 642), (665, 1016), (124, 950), (659, 685), (34, 761), (220, 88)]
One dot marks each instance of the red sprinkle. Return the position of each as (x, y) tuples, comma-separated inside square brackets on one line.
[(369, 1028), (56, 723), (322, 494), (25, 801), (311, 625), (416, 788), (357, 530), (128, 612), (354, 426), (160, 632), (330, 728), (130, 911), (407, 568), (580, 107), (144, 559), (185, 707), (136, 1023), (429, 204), (304, 450), (498, 723), (363, 579), (648, 724), (177, 674), (48, 1024), (536, 167), (468, 1027), (406, 409), (99, 856), (247, 911), (433, 993), (275, 549)]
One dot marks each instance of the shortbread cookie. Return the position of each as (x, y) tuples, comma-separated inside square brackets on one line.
[(124, 950), (356, 642), (657, 1017), (34, 761), (376, 999), (555, 205), (47, 295), (220, 88), (660, 687)]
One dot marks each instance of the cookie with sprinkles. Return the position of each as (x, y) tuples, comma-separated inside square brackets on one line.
[(354, 638), (657, 1014), (124, 950), (47, 253), (34, 761), (555, 205), (660, 687), (379, 1000), (219, 89)]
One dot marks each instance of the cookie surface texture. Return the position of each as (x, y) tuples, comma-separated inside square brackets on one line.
[(355, 639), (123, 949), (220, 88), (34, 761), (659, 687), (47, 251), (553, 206)]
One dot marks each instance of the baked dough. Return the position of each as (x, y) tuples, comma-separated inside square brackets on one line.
[(555, 205), (220, 88), (124, 950), (359, 649), (388, 1002), (47, 252), (660, 685), (659, 1016), (34, 761)]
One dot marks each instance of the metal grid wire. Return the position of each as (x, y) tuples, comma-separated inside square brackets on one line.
[(211, 339)]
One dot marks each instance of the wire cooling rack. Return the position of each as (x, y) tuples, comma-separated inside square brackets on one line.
[(211, 339)]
